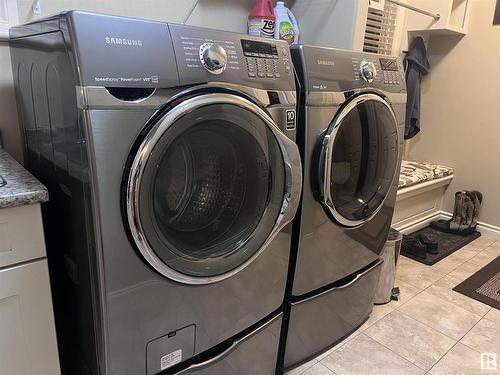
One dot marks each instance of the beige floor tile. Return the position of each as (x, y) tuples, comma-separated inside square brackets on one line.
[(443, 288), (460, 360), (343, 342), (303, 367), (416, 274), (444, 316), (412, 340), (465, 271), (318, 369), (485, 256), (484, 241), (406, 293), (452, 262), (484, 337), (363, 355), (494, 315), (379, 311), (471, 249)]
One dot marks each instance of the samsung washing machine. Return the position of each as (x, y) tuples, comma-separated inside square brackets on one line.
[(169, 155), (350, 134)]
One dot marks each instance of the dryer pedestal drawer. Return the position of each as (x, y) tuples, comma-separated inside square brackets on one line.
[(320, 321), (21, 234)]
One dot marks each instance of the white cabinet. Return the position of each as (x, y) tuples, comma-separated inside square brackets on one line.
[(27, 333), (454, 17)]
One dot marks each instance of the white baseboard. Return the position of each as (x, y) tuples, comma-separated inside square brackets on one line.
[(419, 223), (485, 228)]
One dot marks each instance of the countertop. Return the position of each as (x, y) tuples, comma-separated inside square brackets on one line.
[(17, 186)]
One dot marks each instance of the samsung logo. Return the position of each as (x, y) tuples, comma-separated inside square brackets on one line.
[(124, 41), (326, 62)]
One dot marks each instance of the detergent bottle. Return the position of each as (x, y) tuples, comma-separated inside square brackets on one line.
[(287, 28), (261, 19)]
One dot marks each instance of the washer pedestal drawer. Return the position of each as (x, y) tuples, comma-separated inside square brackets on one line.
[(250, 353)]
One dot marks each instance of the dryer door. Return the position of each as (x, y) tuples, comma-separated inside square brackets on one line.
[(210, 185), (358, 160)]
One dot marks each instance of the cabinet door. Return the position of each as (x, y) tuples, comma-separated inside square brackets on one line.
[(21, 234), (27, 333)]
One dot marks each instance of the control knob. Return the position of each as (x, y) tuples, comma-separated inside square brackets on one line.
[(368, 70), (213, 58)]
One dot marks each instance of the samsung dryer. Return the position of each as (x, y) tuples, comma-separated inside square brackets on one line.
[(170, 159), (350, 134)]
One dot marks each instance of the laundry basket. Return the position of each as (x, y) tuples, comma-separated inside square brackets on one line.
[(386, 291)]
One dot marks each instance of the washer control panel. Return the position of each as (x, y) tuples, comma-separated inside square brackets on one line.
[(261, 59), (218, 56)]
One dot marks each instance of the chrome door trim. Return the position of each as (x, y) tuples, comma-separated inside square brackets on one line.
[(293, 174), (326, 158)]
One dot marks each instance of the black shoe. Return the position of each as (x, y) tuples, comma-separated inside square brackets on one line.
[(413, 246), (444, 226), (431, 242)]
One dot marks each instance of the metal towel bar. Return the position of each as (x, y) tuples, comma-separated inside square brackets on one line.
[(437, 16)]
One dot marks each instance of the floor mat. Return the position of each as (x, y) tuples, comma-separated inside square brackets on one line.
[(484, 285), (448, 244)]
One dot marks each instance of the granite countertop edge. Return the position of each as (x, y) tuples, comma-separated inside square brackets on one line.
[(17, 186)]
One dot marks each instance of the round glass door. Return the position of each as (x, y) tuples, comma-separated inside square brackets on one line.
[(206, 189), (359, 160)]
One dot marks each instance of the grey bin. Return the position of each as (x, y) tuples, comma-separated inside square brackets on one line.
[(386, 291)]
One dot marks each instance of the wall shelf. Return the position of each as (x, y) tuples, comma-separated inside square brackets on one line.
[(454, 17)]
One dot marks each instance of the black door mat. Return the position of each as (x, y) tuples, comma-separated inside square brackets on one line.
[(484, 285), (448, 243)]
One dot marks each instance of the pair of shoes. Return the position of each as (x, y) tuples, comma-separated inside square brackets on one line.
[(420, 245), (465, 214)]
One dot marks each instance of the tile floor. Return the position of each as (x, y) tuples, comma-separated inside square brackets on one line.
[(430, 330)]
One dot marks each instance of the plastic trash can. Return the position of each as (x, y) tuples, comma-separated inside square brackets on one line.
[(386, 291)]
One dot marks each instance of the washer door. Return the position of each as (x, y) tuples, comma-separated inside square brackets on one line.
[(358, 160), (210, 185)]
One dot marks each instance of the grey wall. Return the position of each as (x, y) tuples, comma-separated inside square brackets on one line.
[(8, 111), (460, 110), (221, 14)]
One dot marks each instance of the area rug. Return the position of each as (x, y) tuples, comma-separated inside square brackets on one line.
[(484, 285), (448, 244)]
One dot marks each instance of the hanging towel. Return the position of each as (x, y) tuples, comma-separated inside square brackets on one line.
[(416, 65)]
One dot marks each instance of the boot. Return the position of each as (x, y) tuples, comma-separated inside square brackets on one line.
[(452, 225), (465, 213), (458, 211), (477, 202)]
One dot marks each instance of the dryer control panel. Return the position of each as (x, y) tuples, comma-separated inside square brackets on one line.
[(334, 70), (213, 55)]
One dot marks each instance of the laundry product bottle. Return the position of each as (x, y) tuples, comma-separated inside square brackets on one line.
[(261, 20), (287, 28)]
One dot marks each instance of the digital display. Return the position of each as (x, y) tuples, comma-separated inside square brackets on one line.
[(389, 64), (259, 49)]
